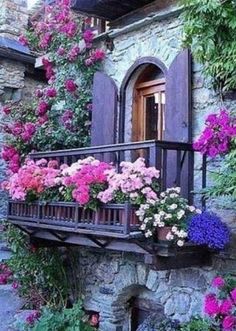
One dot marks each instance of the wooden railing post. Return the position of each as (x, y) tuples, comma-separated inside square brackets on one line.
[(204, 179), (126, 218), (190, 176)]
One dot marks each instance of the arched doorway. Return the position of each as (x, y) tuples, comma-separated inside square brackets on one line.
[(148, 110), (142, 112)]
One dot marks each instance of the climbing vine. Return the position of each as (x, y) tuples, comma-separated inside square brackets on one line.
[(209, 30)]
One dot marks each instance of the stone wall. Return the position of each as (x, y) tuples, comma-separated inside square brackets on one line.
[(13, 18), (109, 280)]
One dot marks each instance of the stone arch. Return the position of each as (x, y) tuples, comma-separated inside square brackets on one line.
[(126, 93)]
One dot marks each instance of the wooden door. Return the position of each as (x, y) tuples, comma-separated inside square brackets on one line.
[(149, 111)]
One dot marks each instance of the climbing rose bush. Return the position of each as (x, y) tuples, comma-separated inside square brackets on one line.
[(60, 115), (217, 136), (220, 305)]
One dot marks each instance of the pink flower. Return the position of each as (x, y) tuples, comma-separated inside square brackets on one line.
[(218, 282), (73, 53), (43, 107), (88, 62), (226, 307), (70, 29), (23, 40), (51, 92), (228, 324), (98, 55), (61, 51), (88, 36), (211, 305), (45, 40), (15, 285), (6, 110), (70, 85), (39, 93), (233, 294)]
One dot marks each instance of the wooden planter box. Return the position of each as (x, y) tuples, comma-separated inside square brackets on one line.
[(117, 218)]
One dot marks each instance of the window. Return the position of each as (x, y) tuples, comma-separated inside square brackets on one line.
[(148, 118)]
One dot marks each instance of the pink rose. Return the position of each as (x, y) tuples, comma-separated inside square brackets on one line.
[(218, 282), (211, 305), (70, 85), (228, 324), (226, 307)]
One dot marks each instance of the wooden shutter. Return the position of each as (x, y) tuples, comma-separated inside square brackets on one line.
[(104, 113), (178, 115)]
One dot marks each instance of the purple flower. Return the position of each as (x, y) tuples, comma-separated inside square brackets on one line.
[(51, 92), (208, 229), (218, 282)]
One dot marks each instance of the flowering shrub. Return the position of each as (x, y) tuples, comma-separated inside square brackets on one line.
[(169, 210), (217, 136), (60, 115), (220, 305), (136, 183), (208, 229)]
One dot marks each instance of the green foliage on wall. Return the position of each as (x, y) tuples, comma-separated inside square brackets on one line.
[(209, 30)]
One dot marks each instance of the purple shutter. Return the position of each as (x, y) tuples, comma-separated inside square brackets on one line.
[(104, 113), (178, 117)]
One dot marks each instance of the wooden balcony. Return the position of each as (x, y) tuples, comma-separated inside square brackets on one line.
[(114, 226)]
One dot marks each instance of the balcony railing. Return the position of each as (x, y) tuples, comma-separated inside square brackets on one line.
[(115, 226), (175, 160)]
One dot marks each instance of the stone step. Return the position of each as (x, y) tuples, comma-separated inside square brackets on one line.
[(10, 304)]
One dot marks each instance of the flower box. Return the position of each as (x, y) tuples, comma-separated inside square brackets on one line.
[(117, 218)]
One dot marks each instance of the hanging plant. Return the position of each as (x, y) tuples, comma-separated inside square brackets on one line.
[(209, 30)]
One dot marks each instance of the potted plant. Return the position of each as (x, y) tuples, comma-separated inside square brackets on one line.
[(166, 218)]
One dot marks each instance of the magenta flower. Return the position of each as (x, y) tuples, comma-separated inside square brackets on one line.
[(61, 51), (73, 53), (15, 285), (98, 55), (211, 305), (233, 294), (229, 323), (70, 85), (39, 93), (226, 307), (218, 282), (88, 36), (6, 110), (51, 92), (23, 40), (43, 107)]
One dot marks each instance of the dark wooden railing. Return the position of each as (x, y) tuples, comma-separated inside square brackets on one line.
[(117, 220), (175, 160)]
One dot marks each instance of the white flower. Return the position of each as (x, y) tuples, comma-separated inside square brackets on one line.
[(169, 236), (157, 217), (143, 227), (191, 208), (162, 194), (147, 219), (173, 195), (198, 211), (174, 229), (168, 216), (177, 189), (173, 206), (162, 213), (180, 243), (180, 214), (148, 234), (162, 202), (182, 234), (161, 224), (151, 201)]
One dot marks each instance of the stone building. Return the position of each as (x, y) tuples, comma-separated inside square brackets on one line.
[(153, 90), (18, 77), (149, 70)]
